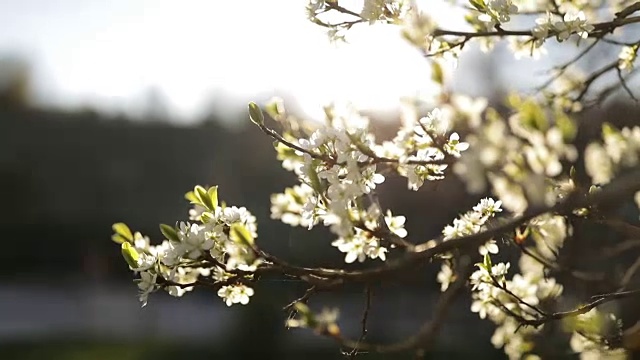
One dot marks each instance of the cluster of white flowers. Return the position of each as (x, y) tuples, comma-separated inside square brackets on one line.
[(472, 221), (504, 301), (288, 206), (548, 232), (627, 57), (520, 159), (495, 12), (418, 27), (469, 223), (360, 244), (235, 294), (216, 243), (620, 149), (573, 22), (337, 170), (374, 10), (421, 146), (386, 10), (322, 322), (333, 16), (587, 337), (517, 156)]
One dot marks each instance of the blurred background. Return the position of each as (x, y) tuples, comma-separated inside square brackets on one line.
[(111, 111)]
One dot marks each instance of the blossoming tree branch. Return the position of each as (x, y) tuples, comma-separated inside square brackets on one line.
[(526, 159)]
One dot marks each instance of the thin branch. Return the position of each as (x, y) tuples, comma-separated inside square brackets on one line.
[(600, 29), (425, 336), (556, 267), (560, 70), (604, 94), (598, 300), (334, 6), (329, 160), (521, 301), (619, 248), (274, 134), (303, 299), (623, 186), (593, 77), (617, 295), (363, 322), (621, 227), (628, 275), (623, 82)]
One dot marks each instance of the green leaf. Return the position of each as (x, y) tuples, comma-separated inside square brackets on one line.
[(169, 232), (204, 198), (487, 262), (240, 234), (530, 114), (130, 255), (478, 4), (316, 185), (302, 308), (191, 196), (566, 125), (608, 130), (436, 73), (213, 195), (255, 114), (118, 239), (123, 230), (198, 191), (206, 217)]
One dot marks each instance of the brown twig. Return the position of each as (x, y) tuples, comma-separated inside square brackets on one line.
[(610, 193), (425, 336), (303, 299), (365, 316)]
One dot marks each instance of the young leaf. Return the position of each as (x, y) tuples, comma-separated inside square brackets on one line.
[(206, 217), (608, 130), (255, 114), (315, 180), (478, 4), (204, 198), (240, 234), (123, 230), (118, 239), (487, 262), (130, 255), (213, 195), (191, 196), (436, 73), (169, 232), (302, 308)]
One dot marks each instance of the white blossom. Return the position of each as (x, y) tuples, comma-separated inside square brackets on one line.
[(235, 294), (627, 57), (146, 285), (396, 224), (573, 22)]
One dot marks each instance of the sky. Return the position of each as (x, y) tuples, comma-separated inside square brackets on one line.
[(108, 55)]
